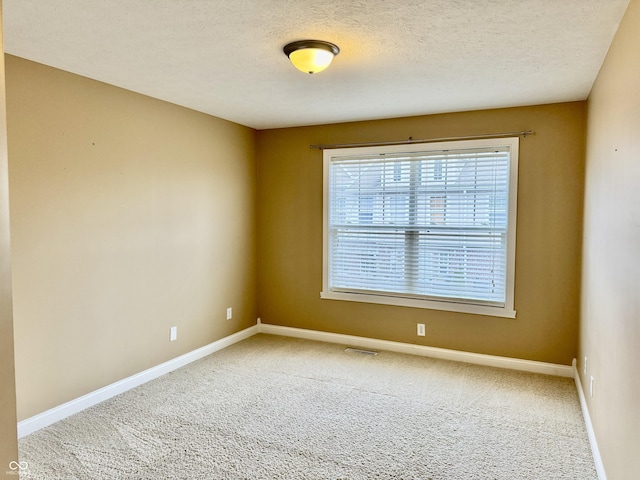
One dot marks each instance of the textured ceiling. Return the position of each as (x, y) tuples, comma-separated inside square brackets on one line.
[(398, 58)]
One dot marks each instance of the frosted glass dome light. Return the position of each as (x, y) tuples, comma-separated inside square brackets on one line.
[(311, 56)]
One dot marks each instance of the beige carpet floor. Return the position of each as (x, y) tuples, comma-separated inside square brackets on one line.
[(279, 408)]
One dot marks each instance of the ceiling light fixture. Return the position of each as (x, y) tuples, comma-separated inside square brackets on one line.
[(311, 56)]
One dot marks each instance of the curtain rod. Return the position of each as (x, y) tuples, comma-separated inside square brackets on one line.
[(522, 134)]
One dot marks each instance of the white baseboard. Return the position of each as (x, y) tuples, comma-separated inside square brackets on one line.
[(587, 421), (433, 352), (51, 416)]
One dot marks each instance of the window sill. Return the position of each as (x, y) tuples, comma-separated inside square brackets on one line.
[(418, 303)]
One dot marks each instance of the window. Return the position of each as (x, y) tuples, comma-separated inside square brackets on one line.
[(424, 225)]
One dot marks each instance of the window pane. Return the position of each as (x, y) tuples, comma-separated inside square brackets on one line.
[(425, 224)]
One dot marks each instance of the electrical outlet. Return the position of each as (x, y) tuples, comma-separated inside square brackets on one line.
[(584, 367), (229, 313), (173, 334), (591, 386), (421, 329)]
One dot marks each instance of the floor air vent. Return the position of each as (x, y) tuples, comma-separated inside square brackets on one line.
[(360, 351)]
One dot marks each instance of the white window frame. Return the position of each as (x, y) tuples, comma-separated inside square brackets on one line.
[(508, 310)]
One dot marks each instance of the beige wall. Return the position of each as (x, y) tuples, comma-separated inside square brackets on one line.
[(8, 440), (610, 330), (549, 227), (129, 216)]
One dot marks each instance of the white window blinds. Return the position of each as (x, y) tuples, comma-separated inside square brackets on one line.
[(432, 224)]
